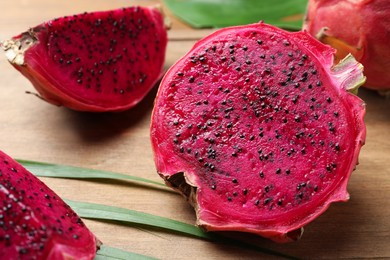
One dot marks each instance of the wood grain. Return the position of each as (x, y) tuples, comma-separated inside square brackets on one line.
[(31, 129)]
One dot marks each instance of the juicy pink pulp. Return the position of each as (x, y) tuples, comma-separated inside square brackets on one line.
[(261, 129), (361, 27), (35, 223), (102, 61)]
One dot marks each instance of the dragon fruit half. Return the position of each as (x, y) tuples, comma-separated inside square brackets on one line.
[(360, 27), (100, 61), (258, 130), (35, 223)]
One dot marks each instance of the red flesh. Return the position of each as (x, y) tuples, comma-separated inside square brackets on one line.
[(126, 59), (213, 115)]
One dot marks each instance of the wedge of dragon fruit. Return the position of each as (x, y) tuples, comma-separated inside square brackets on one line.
[(257, 128), (100, 61), (360, 27), (35, 223)]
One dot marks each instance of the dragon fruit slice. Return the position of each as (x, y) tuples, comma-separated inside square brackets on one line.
[(35, 223), (101, 61), (360, 27), (258, 130)]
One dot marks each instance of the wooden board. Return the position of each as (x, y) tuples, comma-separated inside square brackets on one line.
[(34, 130)]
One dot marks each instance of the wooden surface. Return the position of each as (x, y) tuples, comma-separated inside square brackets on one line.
[(34, 130)]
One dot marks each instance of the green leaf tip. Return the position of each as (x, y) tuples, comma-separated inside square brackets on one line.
[(349, 73), (43, 169), (287, 14)]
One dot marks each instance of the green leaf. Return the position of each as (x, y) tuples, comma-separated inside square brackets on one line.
[(42, 169), (217, 13), (108, 253), (98, 211), (127, 216)]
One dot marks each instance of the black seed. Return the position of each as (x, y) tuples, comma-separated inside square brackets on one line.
[(278, 171), (337, 147), (288, 171), (259, 41), (261, 174), (245, 191), (336, 114), (257, 202), (192, 79), (229, 198), (280, 202), (213, 187), (267, 200), (331, 127), (328, 99), (234, 181), (22, 251), (318, 83)]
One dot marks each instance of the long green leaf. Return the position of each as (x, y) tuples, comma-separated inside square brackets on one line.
[(109, 253), (103, 212), (220, 13), (98, 211), (64, 171)]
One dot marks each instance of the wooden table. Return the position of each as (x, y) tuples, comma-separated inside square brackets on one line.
[(34, 130)]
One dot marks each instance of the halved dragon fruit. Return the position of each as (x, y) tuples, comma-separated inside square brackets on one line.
[(35, 223), (257, 128), (360, 27), (100, 61)]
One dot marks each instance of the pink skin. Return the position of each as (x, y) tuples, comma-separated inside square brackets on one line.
[(177, 105), (363, 28)]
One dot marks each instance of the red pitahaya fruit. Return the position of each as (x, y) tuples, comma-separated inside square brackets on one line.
[(360, 27), (35, 223), (101, 61), (258, 130)]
